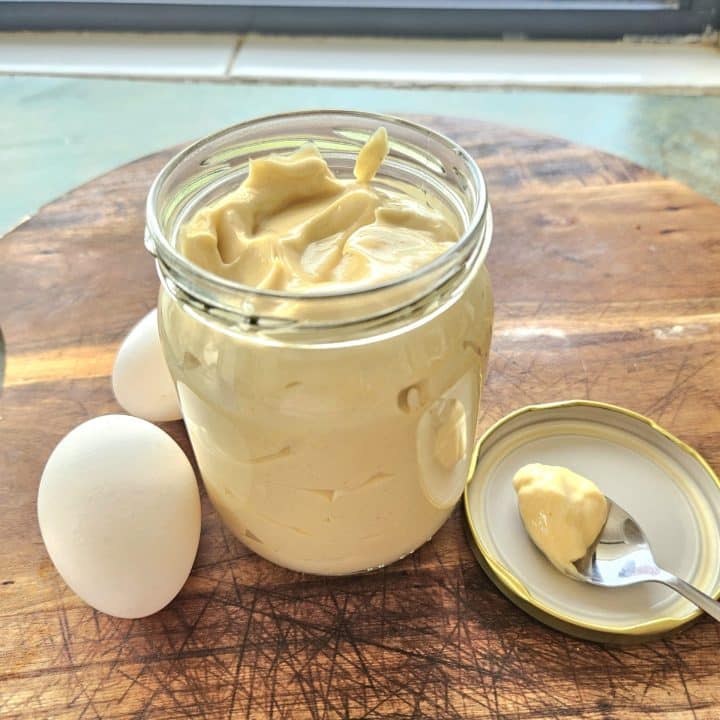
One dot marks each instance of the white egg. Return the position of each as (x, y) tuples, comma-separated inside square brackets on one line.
[(119, 512), (141, 380)]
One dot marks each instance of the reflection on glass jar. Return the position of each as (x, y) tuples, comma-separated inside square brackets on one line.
[(333, 432)]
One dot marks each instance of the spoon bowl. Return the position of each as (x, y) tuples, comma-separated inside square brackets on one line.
[(621, 556)]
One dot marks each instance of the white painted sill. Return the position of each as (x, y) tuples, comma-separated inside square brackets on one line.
[(676, 67)]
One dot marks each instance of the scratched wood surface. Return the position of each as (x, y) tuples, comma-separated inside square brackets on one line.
[(607, 280)]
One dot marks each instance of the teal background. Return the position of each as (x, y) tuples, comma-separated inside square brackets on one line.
[(56, 133)]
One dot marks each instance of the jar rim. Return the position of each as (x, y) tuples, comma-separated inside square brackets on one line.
[(165, 251)]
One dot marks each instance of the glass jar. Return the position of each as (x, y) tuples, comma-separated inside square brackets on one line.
[(333, 430)]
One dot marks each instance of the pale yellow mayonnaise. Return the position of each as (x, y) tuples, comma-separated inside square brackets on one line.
[(330, 457), (562, 511), (292, 225)]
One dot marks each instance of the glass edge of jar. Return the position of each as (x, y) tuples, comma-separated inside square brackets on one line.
[(194, 277)]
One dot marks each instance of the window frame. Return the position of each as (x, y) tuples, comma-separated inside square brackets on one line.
[(538, 19)]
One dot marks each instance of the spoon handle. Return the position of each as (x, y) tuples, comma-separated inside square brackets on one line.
[(703, 601)]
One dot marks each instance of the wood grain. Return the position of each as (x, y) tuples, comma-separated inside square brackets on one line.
[(607, 280)]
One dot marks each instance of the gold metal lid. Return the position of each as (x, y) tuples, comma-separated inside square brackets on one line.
[(666, 485)]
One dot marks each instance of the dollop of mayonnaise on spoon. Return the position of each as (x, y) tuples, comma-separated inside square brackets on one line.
[(563, 512)]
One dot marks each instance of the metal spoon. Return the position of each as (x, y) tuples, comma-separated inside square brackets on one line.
[(621, 556)]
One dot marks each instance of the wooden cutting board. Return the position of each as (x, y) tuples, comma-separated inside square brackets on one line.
[(607, 279)]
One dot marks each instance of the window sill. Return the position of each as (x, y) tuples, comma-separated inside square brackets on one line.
[(671, 67)]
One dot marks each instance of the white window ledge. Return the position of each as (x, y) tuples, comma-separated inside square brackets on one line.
[(677, 67)]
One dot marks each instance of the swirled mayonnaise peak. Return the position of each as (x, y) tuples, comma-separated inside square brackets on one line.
[(562, 511), (292, 225)]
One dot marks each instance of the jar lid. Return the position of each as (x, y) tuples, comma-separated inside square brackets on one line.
[(663, 483)]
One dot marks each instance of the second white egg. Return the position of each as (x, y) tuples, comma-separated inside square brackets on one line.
[(141, 380)]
